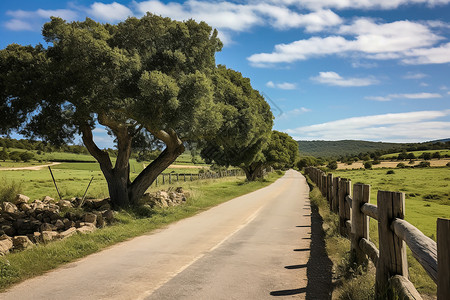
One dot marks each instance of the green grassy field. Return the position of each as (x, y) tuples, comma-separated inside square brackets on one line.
[(416, 153), (19, 266), (427, 197)]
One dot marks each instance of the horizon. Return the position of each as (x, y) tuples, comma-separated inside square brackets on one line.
[(331, 70)]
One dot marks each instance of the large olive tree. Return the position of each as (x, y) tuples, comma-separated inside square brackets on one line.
[(150, 75), (247, 123)]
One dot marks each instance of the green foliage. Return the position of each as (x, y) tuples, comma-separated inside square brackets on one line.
[(281, 151), (401, 165), (332, 165), (247, 122), (15, 156), (26, 156), (307, 161), (9, 190), (423, 164), (389, 172), (4, 155), (367, 165)]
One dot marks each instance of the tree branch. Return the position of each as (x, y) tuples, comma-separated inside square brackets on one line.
[(101, 156)]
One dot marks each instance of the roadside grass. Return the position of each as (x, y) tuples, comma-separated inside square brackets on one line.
[(349, 281), (426, 199), (16, 267)]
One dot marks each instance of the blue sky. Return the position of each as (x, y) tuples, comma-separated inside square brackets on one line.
[(374, 70)]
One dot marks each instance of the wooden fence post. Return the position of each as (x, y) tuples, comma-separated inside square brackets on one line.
[(191, 177), (170, 178), (443, 258), (164, 179), (329, 189), (177, 177), (156, 180), (335, 200), (344, 208), (392, 259), (184, 177), (324, 184), (360, 222)]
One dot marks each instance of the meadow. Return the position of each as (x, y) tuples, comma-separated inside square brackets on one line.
[(427, 197), (416, 153)]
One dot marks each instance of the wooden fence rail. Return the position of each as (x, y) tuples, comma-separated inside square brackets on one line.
[(394, 233), (172, 177)]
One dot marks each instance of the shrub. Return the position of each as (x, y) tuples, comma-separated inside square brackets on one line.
[(376, 162), (26, 156), (423, 164), (401, 165), (390, 172), (9, 190), (448, 164), (332, 165), (15, 156), (367, 165)]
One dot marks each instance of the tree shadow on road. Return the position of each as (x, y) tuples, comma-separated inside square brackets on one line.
[(319, 265)]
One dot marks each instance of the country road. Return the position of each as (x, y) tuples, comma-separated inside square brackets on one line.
[(256, 246)]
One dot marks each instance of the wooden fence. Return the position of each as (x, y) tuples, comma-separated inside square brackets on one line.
[(394, 232), (169, 178)]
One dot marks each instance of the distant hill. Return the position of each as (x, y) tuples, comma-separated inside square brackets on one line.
[(342, 148)]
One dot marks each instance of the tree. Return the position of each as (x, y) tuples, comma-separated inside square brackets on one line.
[(15, 156), (367, 165), (4, 155), (246, 127), (148, 75), (410, 156), (306, 161), (26, 156)]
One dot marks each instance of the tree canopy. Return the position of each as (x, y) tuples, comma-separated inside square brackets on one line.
[(142, 76), (247, 121)]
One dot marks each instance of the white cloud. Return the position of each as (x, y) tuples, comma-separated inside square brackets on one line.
[(241, 17), (19, 25), (359, 4), (294, 112), (109, 12), (410, 41), (409, 126), (412, 75), (282, 85), (405, 96), (333, 78), (26, 20)]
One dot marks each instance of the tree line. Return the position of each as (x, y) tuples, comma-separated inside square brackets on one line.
[(153, 84)]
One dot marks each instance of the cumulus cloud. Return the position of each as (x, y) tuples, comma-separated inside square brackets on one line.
[(282, 85), (294, 112), (333, 78), (359, 4), (400, 127), (109, 12), (413, 75), (411, 42), (405, 96), (27, 20)]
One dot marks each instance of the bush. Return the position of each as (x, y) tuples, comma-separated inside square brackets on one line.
[(332, 165), (367, 165), (15, 156), (376, 162), (26, 156), (390, 172), (401, 165), (448, 164), (9, 191), (423, 164)]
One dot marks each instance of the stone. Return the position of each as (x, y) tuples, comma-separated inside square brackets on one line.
[(37, 204), (21, 199), (90, 218), (36, 237), (8, 229), (6, 244), (59, 224), (108, 215), (21, 242), (87, 228), (105, 206), (9, 207), (67, 233), (47, 199), (48, 236), (100, 220), (25, 207), (64, 203), (47, 227), (68, 223), (53, 207)]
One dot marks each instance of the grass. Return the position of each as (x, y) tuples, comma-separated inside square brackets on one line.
[(416, 153), (427, 198), (16, 267), (350, 281)]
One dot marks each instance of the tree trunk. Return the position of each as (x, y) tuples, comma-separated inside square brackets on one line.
[(254, 171), (118, 189)]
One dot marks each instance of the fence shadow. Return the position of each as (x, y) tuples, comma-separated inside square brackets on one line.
[(319, 265)]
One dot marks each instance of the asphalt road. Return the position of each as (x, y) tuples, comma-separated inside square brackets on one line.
[(255, 246)]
